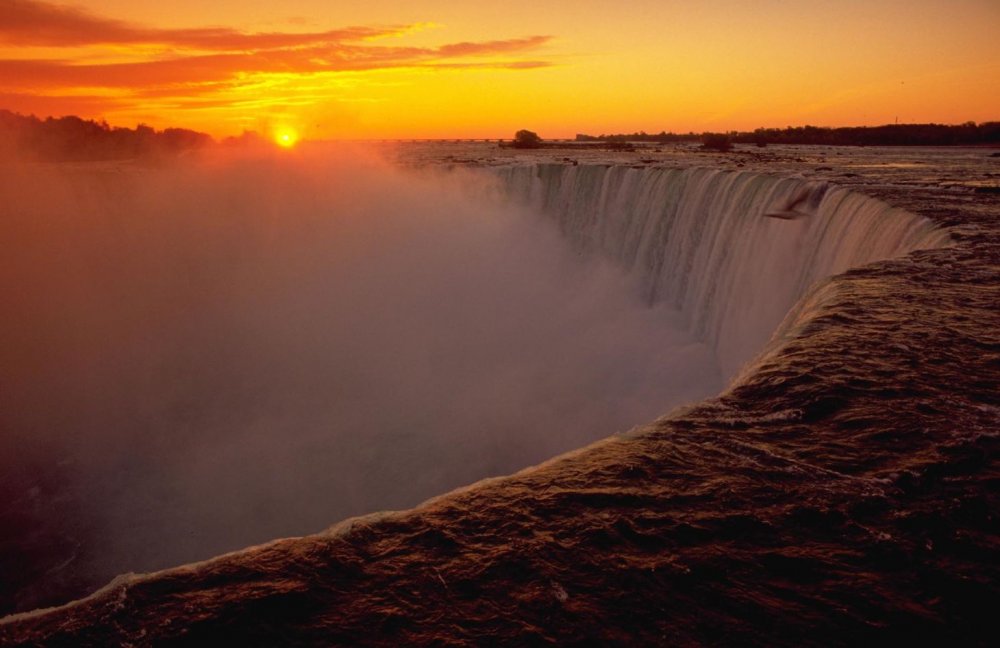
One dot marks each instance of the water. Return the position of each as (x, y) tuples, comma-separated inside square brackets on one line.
[(839, 489), (242, 348), (699, 239)]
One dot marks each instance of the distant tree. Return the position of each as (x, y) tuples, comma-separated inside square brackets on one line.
[(716, 142), (527, 139)]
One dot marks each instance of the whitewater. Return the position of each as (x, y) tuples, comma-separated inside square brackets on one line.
[(807, 482), (703, 240)]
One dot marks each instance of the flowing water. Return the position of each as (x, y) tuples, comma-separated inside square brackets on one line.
[(841, 488)]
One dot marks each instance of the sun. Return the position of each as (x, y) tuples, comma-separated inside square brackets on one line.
[(286, 137)]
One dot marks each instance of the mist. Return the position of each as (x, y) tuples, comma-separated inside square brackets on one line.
[(249, 345)]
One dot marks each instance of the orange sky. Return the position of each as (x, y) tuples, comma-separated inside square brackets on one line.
[(381, 68)]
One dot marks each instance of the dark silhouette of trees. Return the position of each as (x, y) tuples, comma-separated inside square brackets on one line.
[(662, 137), (526, 139), (967, 134), (716, 142), (74, 139)]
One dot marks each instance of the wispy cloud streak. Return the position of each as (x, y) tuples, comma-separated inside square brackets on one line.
[(139, 60), (31, 22)]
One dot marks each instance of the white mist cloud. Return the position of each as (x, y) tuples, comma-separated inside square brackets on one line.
[(246, 346)]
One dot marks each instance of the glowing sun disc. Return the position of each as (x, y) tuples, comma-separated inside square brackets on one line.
[(286, 138)]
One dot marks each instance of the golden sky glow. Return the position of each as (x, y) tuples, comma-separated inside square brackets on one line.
[(388, 69)]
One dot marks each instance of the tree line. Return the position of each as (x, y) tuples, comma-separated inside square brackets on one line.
[(967, 134), (74, 139)]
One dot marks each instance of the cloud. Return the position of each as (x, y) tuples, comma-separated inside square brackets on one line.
[(493, 47), (30, 22), (34, 23), (98, 55), (250, 345), (495, 65), (61, 73)]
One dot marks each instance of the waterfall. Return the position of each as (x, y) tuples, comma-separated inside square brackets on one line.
[(701, 239)]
